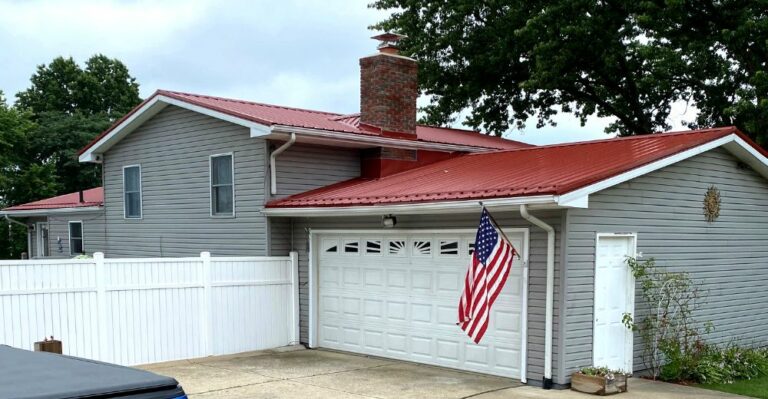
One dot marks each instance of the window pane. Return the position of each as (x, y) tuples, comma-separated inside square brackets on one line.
[(132, 179), (222, 200), (222, 170), (133, 205), (76, 246), (76, 230)]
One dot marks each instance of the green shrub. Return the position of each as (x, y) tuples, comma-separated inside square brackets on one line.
[(726, 364)]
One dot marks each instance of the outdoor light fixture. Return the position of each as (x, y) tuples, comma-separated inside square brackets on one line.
[(388, 221)]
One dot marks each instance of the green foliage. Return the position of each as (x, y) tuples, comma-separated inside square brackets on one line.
[(70, 106), (669, 332), (731, 363), (104, 87), (64, 108), (515, 60), (600, 371)]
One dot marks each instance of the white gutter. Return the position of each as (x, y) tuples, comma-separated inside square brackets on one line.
[(544, 201), (29, 238), (549, 310), (51, 211), (273, 162)]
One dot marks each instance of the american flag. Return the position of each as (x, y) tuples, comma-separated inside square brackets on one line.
[(488, 271)]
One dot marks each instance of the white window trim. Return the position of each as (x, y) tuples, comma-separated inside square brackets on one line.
[(82, 236), (210, 185), (141, 195)]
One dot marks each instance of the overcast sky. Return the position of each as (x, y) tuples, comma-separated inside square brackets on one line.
[(295, 53)]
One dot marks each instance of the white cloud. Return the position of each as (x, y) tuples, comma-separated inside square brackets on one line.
[(293, 52)]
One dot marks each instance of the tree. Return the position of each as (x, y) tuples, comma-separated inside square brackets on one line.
[(71, 106), (510, 61), (22, 178), (104, 87)]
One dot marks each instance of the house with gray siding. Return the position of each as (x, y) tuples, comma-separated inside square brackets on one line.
[(383, 213)]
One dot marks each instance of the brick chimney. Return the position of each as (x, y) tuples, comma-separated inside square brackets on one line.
[(388, 88)]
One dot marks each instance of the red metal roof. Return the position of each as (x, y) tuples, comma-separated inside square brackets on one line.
[(91, 197), (269, 115), (543, 170)]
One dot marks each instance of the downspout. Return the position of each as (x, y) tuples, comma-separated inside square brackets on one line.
[(29, 238), (273, 162), (549, 307)]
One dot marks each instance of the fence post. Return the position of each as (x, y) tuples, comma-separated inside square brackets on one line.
[(295, 297), (207, 330), (101, 303)]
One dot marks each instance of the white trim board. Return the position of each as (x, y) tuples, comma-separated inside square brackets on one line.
[(733, 143), (152, 108), (51, 211)]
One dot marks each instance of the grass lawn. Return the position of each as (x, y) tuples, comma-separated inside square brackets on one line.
[(757, 388)]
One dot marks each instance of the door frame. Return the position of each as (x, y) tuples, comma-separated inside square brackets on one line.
[(630, 308), (39, 253), (314, 235)]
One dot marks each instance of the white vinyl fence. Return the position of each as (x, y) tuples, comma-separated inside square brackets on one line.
[(138, 311)]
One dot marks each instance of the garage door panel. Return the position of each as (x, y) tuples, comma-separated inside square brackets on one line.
[(397, 296)]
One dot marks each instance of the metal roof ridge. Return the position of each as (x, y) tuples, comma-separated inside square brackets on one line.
[(725, 129), (248, 102)]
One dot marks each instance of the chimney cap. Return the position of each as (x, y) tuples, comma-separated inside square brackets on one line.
[(388, 42)]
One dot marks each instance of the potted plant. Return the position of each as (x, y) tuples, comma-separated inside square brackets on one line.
[(599, 381)]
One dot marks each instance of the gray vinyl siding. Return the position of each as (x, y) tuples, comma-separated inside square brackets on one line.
[(173, 149), (664, 208), (58, 233), (305, 167), (93, 233), (537, 267)]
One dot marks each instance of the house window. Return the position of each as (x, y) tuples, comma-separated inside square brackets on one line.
[(76, 238), (132, 192), (222, 186)]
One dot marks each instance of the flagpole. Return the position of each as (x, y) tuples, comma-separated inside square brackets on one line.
[(499, 228)]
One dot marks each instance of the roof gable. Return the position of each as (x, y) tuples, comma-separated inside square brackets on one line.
[(266, 120)]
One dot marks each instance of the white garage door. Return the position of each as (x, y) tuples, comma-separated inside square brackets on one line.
[(395, 295)]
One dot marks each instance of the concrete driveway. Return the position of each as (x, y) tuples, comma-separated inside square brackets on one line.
[(318, 374)]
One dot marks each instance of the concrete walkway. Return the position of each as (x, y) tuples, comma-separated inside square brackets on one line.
[(318, 374)]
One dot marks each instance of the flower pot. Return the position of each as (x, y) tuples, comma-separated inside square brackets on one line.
[(599, 385)]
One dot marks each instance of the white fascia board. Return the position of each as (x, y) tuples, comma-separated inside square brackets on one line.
[(376, 140), (413, 209), (150, 109), (53, 211), (749, 155), (581, 196)]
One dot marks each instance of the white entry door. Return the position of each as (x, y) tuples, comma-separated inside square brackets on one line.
[(395, 294), (614, 296)]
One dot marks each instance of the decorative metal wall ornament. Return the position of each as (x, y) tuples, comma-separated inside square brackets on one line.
[(712, 204)]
